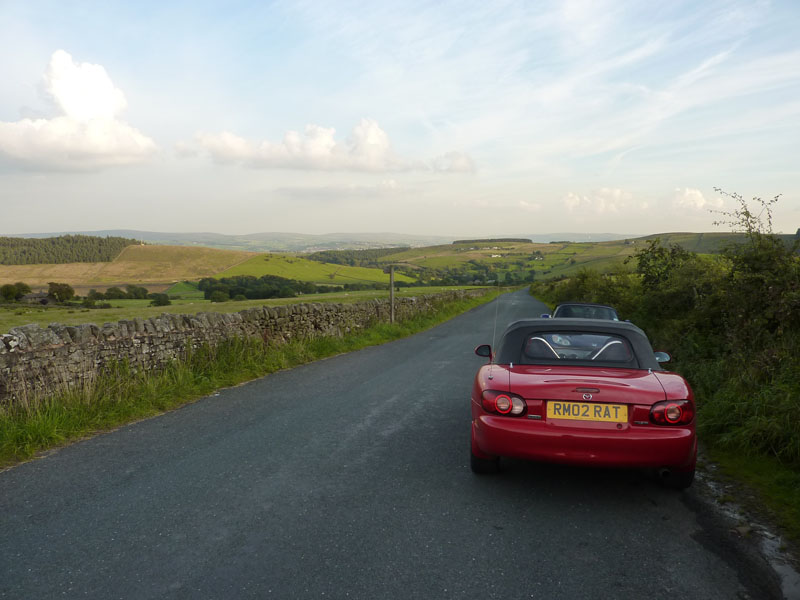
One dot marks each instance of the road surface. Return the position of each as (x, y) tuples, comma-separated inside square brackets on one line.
[(349, 478)]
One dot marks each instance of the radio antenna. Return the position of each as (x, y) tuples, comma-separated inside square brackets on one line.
[(494, 334)]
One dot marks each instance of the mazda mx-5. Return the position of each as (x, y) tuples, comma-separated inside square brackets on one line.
[(583, 392)]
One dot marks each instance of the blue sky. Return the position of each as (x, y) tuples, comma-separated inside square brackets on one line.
[(437, 118)]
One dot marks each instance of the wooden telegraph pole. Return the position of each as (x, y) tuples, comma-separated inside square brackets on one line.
[(391, 293), (390, 271)]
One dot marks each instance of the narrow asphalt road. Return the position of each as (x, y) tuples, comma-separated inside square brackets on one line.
[(348, 478)]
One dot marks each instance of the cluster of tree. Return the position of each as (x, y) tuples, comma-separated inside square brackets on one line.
[(732, 321), (131, 292), (63, 293), (248, 287), (473, 272), (11, 292), (60, 292), (61, 249), (355, 258)]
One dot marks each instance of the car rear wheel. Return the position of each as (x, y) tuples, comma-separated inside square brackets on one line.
[(479, 462), (679, 480), (483, 466)]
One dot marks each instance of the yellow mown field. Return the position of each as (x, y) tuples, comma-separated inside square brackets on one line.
[(139, 265)]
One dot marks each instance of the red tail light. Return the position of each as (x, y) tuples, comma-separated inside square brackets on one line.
[(672, 412), (503, 403)]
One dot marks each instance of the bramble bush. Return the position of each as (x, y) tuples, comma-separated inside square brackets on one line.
[(731, 321)]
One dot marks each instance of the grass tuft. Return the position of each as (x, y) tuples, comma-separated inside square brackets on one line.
[(776, 486)]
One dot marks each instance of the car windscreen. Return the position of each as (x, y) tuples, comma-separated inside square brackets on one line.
[(586, 312), (574, 346)]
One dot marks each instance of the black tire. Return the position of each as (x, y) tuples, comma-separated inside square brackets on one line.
[(483, 466), (679, 480)]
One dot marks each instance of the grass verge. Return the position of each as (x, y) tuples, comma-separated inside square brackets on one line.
[(120, 396), (775, 486)]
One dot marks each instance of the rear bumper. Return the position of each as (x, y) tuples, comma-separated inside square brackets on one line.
[(592, 444)]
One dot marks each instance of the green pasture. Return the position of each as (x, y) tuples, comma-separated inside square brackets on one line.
[(293, 267), (557, 258), (16, 315), (185, 290)]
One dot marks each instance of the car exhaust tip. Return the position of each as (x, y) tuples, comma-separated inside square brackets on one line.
[(664, 473)]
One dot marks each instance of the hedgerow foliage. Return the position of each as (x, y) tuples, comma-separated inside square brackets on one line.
[(731, 322)]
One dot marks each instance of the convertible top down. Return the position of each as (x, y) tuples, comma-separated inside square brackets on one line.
[(585, 392)]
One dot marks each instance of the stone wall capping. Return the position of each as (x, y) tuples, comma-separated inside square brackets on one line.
[(36, 361)]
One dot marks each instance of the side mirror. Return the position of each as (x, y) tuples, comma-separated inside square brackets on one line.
[(663, 357), (545, 316), (484, 350)]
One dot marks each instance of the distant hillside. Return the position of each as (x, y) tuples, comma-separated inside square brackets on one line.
[(62, 249), (492, 240), (512, 262), (506, 261), (354, 258), (518, 261), (139, 265), (301, 269), (546, 238), (273, 242), (707, 243), (301, 242)]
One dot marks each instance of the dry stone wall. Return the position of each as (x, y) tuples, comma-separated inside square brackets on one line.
[(36, 361)]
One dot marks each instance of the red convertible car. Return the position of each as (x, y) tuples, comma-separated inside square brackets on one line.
[(583, 392)]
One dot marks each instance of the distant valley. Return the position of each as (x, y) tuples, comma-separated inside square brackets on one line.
[(302, 242), (162, 262)]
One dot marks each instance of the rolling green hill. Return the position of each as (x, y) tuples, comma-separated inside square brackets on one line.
[(140, 265), (157, 267), (292, 266), (501, 259)]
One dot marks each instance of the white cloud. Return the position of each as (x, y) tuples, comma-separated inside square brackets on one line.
[(367, 149), (530, 206), (693, 199), (87, 134), (602, 201), (454, 162), (82, 91)]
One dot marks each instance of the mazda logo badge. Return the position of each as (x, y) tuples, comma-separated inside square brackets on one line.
[(587, 396)]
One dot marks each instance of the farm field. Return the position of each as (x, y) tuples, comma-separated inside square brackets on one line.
[(159, 267), (16, 315), (547, 260), (147, 266), (292, 266)]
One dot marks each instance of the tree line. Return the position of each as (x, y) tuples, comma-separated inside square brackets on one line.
[(61, 249), (355, 258), (249, 287), (64, 293)]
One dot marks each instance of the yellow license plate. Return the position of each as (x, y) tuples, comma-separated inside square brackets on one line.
[(585, 411)]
